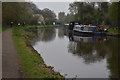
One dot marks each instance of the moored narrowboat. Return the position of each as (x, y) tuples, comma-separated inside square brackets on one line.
[(88, 29)]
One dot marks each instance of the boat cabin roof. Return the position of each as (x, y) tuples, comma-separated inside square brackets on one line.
[(85, 26), (89, 26)]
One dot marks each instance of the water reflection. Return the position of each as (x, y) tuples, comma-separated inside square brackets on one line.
[(96, 48), (90, 48), (40, 34), (84, 56), (114, 57), (60, 32), (46, 34)]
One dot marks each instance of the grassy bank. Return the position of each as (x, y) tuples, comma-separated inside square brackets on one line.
[(0, 29), (3, 28), (113, 30), (31, 63), (30, 26)]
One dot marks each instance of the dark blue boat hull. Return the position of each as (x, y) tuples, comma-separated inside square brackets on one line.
[(88, 33)]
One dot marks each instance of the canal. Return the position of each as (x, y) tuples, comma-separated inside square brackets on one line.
[(76, 56)]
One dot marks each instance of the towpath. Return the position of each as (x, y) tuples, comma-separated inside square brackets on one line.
[(10, 62)]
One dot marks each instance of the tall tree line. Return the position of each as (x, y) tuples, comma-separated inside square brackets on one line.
[(25, 12), (96, 13), (114, 14), (15, 12)]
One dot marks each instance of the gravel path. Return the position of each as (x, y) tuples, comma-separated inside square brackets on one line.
[(10, 62)]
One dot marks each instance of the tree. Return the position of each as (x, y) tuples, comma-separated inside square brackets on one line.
[(16, 12), (82, 12), (95, 13), (49, 16), (61, 17), (73, 8), (69, 18), (114, 11), (19, 12)]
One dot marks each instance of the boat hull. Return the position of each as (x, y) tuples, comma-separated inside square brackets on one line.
[(88, 33)]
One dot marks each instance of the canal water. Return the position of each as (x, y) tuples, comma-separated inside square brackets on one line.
[(77, 56)]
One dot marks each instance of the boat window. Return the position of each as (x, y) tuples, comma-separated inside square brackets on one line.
[(82, 28), (90, 28), (77, 27)]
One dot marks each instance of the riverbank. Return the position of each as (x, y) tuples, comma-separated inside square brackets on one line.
[(32, 64), (113, 32), (4, 28), (0, 29)]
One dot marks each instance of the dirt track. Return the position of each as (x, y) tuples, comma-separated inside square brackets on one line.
[(10, 62)]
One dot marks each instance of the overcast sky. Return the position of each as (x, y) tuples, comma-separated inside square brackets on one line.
[(54, 6)]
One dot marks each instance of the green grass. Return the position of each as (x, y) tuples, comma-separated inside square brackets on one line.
[(31, 63), (0, 29), (3, 28), (113, 30), (29, 26)]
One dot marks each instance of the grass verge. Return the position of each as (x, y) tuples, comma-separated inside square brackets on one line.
[(113, 31), (31, 63), (3, 28), (0, 29)]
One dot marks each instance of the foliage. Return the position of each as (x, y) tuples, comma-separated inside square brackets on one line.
[(96, 13), (88, 13), (69, 17), (114, 11), (61, 17), (25, 12), (49, 16), (14, 11)]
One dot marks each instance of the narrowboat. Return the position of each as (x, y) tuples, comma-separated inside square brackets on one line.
[(88, 29)]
